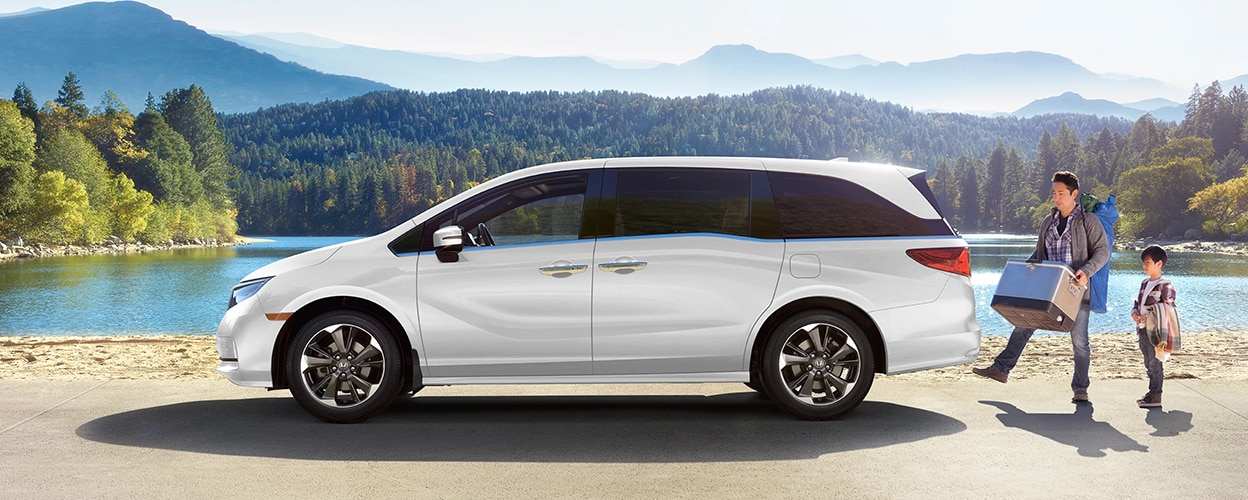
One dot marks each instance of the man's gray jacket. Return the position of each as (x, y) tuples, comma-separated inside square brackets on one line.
[(1088, 246)]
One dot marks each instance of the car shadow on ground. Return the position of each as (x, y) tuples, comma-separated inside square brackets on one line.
[(587, 429)]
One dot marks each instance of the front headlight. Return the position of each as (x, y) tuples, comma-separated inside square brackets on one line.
[(246, 290)]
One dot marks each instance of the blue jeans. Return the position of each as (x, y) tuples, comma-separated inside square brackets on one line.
[(1078, 343), (1151, 364)]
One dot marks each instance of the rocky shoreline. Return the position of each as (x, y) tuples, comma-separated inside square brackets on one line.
[(1196, 246), (18, 250)]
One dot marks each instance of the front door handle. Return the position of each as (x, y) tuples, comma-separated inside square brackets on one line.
[(623, 265), (562, 269)]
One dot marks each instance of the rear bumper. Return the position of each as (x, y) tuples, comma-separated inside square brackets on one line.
[(936, 334)]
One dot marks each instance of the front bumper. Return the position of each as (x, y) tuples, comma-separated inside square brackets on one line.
[(245, 341)]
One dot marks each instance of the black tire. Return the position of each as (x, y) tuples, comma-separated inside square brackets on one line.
[(817, 365), (352, 353)]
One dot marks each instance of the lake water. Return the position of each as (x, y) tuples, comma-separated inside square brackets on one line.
[(185, 291)]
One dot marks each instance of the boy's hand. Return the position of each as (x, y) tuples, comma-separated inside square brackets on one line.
[(1080, 278)]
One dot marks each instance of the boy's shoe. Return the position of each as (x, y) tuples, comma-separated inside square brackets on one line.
[(1149, 400), (991, 372), (1080, 395)]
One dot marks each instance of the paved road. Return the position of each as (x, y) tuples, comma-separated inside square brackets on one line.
[(981, 439)]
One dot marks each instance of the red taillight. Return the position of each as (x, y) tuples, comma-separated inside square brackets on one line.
[(953, 260)]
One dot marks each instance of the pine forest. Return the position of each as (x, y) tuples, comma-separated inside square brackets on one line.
[(178, 171)]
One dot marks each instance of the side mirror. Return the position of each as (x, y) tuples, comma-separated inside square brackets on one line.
[(448, 241)]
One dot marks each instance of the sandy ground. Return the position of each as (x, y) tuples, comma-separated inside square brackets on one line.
[(1207, 356)]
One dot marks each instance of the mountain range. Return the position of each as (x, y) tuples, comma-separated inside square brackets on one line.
[(134, 50)]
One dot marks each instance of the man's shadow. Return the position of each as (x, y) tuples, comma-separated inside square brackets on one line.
[(1168, 423), (1077, 430)]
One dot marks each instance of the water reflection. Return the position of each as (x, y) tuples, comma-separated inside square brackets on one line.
[(180, 291)]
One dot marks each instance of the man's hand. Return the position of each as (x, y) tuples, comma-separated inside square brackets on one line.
[(1080, 278)]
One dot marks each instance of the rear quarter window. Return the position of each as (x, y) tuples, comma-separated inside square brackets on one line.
[(816, 206)]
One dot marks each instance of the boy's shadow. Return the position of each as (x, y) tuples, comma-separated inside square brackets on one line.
[(1077, 430), (1168, 423)]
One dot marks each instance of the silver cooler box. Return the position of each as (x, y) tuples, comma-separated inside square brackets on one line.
[(1038, 294)]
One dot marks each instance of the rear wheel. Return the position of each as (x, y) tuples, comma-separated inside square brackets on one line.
[(817, 365), (344, 366)]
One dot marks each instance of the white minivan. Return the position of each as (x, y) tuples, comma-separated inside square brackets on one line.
[(800, 278)]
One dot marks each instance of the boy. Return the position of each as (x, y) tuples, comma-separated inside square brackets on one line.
[(1153, 290)]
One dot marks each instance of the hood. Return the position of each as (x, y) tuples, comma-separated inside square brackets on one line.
[(306, 259)]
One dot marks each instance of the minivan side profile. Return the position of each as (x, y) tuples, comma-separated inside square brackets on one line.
[(800, 278)]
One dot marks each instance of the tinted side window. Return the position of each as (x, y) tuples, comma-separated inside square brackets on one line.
[(815, 206), (675, 201)]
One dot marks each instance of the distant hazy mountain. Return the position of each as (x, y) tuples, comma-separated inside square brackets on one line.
[(133, 49), (1000, 82), (846, 62), (1239, 81), (31, 10), (1070, 102)]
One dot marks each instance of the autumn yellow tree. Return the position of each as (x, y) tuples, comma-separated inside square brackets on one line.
[(57, 211), (1224, 206)]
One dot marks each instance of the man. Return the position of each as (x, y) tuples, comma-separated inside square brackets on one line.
[(1067, 235)]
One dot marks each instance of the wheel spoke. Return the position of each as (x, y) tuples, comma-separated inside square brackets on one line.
[(840, 384), (339, 346), (321, 386), (841, 353), (320, 353), (359, 387), (790, 360), (367, 354), (816, 337), (317, 362)]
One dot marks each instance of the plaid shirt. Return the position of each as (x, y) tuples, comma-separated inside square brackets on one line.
[(1058, 245)]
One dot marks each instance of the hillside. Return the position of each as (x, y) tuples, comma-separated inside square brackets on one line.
[(134, 50), (361, 165)]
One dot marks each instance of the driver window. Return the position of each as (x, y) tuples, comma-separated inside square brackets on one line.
[(536, 212)]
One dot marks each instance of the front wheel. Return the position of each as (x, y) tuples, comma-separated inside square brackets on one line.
[(344, 367), (817, 365)]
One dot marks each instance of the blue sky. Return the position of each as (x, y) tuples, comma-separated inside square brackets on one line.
[(1181, 43)]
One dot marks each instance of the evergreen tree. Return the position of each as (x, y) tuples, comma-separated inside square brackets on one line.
[(1046, 163), (166, 170), (25, 101), (1067, 151), (968, 194), (189, 113), (1020, 198), (944, 187), (70, 96), (1144, 138), (994, 189)]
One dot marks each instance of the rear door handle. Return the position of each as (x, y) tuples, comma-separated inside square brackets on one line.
[(623, 265)]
